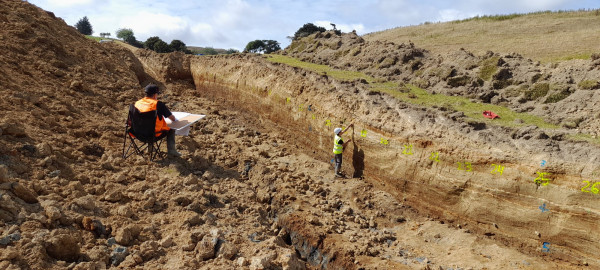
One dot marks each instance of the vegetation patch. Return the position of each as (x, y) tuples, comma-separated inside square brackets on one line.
[(488, 68), (458, 81), (538, 90), (582, 137), (556, 97), (588, 84)]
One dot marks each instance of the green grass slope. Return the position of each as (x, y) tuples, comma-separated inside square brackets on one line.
[(542, 36)]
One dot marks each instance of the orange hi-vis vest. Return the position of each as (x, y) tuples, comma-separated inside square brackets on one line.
[(147, 105)]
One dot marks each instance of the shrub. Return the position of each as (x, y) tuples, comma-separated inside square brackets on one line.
[(556, 97), (588, 84), (538, 90)]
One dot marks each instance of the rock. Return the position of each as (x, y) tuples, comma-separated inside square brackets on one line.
[(10, 238), (54, 173), (263, 261), (8, 253), (372, 223), (263, 196), (166, 242), (125, 211), (194, 220), (13, 128), (90, 265), (126, 235), (53, 213), (63, 245), (290, 261), (44, 149), (228, 250), (241, 261), (99, 254), (205, 249), (24, 193), (208, 175), (118, 255), (119, 178), (95, 226), (149, 249), (86, 202), (114, 196)]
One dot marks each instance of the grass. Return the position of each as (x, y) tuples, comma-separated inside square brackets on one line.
[(543, 36), (98, 38), (580, 137), (415, 95), (588, 84), (488, 68)]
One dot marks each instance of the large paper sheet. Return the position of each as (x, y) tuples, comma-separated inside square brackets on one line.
[(184, 122)]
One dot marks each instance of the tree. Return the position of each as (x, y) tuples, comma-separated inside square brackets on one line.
[(123, 33), (271, 46), (162, 47), (231, 51), (84, 26), (178, 45), (151, 42), (308, 29), (266, 46), (255, 46)]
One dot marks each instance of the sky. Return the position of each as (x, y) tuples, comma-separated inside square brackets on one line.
[(231, 24)]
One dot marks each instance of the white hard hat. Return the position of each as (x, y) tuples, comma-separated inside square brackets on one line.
[(337, 130)]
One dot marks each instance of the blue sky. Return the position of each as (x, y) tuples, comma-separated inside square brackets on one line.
[(233, 23)]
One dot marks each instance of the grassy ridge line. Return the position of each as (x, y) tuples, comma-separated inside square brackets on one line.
[(418, 96), (543, 36)]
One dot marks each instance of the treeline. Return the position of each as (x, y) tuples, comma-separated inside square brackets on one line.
[(158, 45)]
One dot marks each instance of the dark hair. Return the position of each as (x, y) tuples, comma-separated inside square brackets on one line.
[(151, 89)]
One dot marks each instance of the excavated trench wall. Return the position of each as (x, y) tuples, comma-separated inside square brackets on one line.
[(474, 177)]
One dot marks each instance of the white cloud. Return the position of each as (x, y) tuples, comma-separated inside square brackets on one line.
[(342, 27), (68, 3)]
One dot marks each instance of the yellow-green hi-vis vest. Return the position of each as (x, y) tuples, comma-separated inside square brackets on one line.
[(337, 147)]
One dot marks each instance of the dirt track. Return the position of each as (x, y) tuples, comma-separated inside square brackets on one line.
[(254, 188)]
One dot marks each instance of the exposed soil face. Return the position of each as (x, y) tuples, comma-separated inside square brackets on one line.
[(254, 188)]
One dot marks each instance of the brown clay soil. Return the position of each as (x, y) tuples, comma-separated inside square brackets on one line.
[(254, 188)]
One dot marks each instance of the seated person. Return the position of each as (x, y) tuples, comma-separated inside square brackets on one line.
[(151, 103)]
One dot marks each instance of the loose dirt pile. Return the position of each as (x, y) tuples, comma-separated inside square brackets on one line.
[(553, 91), (254, 188)]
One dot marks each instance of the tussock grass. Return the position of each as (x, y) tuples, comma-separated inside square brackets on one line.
[(544, 36), (415, 95)]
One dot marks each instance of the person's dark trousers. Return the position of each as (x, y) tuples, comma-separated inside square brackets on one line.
[(171, 143), (338, 163)]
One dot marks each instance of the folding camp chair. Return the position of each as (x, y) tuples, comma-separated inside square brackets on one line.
[(140, 126)]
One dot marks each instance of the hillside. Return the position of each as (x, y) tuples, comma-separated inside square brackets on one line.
[(542, 36)]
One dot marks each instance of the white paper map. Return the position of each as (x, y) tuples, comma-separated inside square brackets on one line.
[(184, 122)]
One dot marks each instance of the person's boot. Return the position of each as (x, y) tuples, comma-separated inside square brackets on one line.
[(171, 151)]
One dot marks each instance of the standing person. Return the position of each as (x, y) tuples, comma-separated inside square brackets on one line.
[(151, 103), (338, 148)]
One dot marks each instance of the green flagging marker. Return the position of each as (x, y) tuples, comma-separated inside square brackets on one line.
[(363, 133), (407, 149), (435, 156)]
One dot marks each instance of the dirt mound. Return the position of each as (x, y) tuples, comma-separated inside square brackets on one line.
[(553, 91)]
